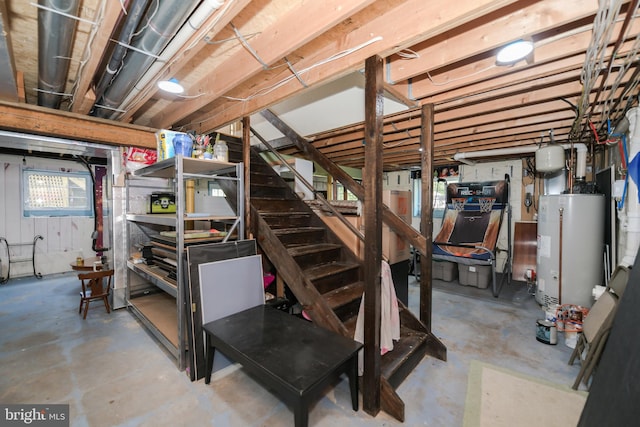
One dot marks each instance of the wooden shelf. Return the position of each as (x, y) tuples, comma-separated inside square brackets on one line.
[(158, 312), (155, 275), (170, 219), (166, 168)]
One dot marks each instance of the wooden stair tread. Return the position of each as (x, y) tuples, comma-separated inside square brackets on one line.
[(282, 231), (274, 198), (411, 344), (283, 214), (328, 269), (262, 184), (344, 295), (309, 249)]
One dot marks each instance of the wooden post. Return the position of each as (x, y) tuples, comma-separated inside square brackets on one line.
[(372, 232), (246, 159), (426, 214)]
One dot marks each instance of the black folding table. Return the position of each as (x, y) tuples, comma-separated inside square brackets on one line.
[(292, 357)]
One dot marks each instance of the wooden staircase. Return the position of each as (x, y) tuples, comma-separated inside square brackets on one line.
[(325, 276)]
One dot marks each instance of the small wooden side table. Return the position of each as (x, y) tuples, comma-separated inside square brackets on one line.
[(87, 264)]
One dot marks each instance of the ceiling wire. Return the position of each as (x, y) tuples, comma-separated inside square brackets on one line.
[(284, 81), (247, 46), (603, 26), (623, 67)]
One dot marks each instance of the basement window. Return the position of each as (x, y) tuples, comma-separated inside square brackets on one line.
[(56, 194), (439, 201)]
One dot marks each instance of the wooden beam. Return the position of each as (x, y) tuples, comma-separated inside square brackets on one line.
[(515, 23), (184, 57), (22, 96), (373, 104), (387, 20), (45, 121), (98, 45), (86, 103), (279, 40)]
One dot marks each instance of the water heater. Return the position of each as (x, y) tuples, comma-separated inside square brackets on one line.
[(569, 257)]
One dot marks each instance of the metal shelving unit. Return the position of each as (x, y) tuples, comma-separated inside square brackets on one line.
[(157, 300)]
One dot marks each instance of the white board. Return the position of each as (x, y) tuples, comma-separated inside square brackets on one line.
[(227, 287)]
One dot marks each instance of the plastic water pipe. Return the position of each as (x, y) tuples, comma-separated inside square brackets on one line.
[(630, 215), (581, 161)]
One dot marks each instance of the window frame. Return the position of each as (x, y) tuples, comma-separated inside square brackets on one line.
[(439, 196), (56, 211)]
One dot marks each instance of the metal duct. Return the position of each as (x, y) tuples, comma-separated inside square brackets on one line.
[(163, 19), (128, 29), (8, 81), (55, 37), (195, 22)]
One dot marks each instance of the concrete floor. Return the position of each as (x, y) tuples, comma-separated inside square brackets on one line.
[(113, 373)]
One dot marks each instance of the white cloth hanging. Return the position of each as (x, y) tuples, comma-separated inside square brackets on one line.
[(389, 317)]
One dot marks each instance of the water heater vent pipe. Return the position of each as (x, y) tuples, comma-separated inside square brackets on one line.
[(581, 162)]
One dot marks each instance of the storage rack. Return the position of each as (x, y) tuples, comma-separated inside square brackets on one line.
[(159, 301), (10, 261)]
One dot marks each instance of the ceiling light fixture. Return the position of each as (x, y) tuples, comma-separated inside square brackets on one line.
[(514, 52), (171, 85)]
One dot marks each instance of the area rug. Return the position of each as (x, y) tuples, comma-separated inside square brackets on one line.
[(501, 397)]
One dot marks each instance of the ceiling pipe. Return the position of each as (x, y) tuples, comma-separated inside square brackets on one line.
[(629, 15), (8, 78), (581, 162), (134, 16), (162, 22), (197, 19), (55, 42)]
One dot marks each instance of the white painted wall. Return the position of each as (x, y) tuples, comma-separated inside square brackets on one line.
[(64, 238)]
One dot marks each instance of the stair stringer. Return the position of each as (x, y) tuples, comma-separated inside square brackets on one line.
[(306, 293)]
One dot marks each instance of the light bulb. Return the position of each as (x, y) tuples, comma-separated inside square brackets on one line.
[(171, 85), (514, 52)]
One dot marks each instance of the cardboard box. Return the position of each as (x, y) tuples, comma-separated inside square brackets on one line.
[(393, 247), (475, 275), (399, 202), (444, 270), (162, 203)]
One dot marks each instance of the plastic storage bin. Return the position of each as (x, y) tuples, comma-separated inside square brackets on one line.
[(444, 270), (474, 275)]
